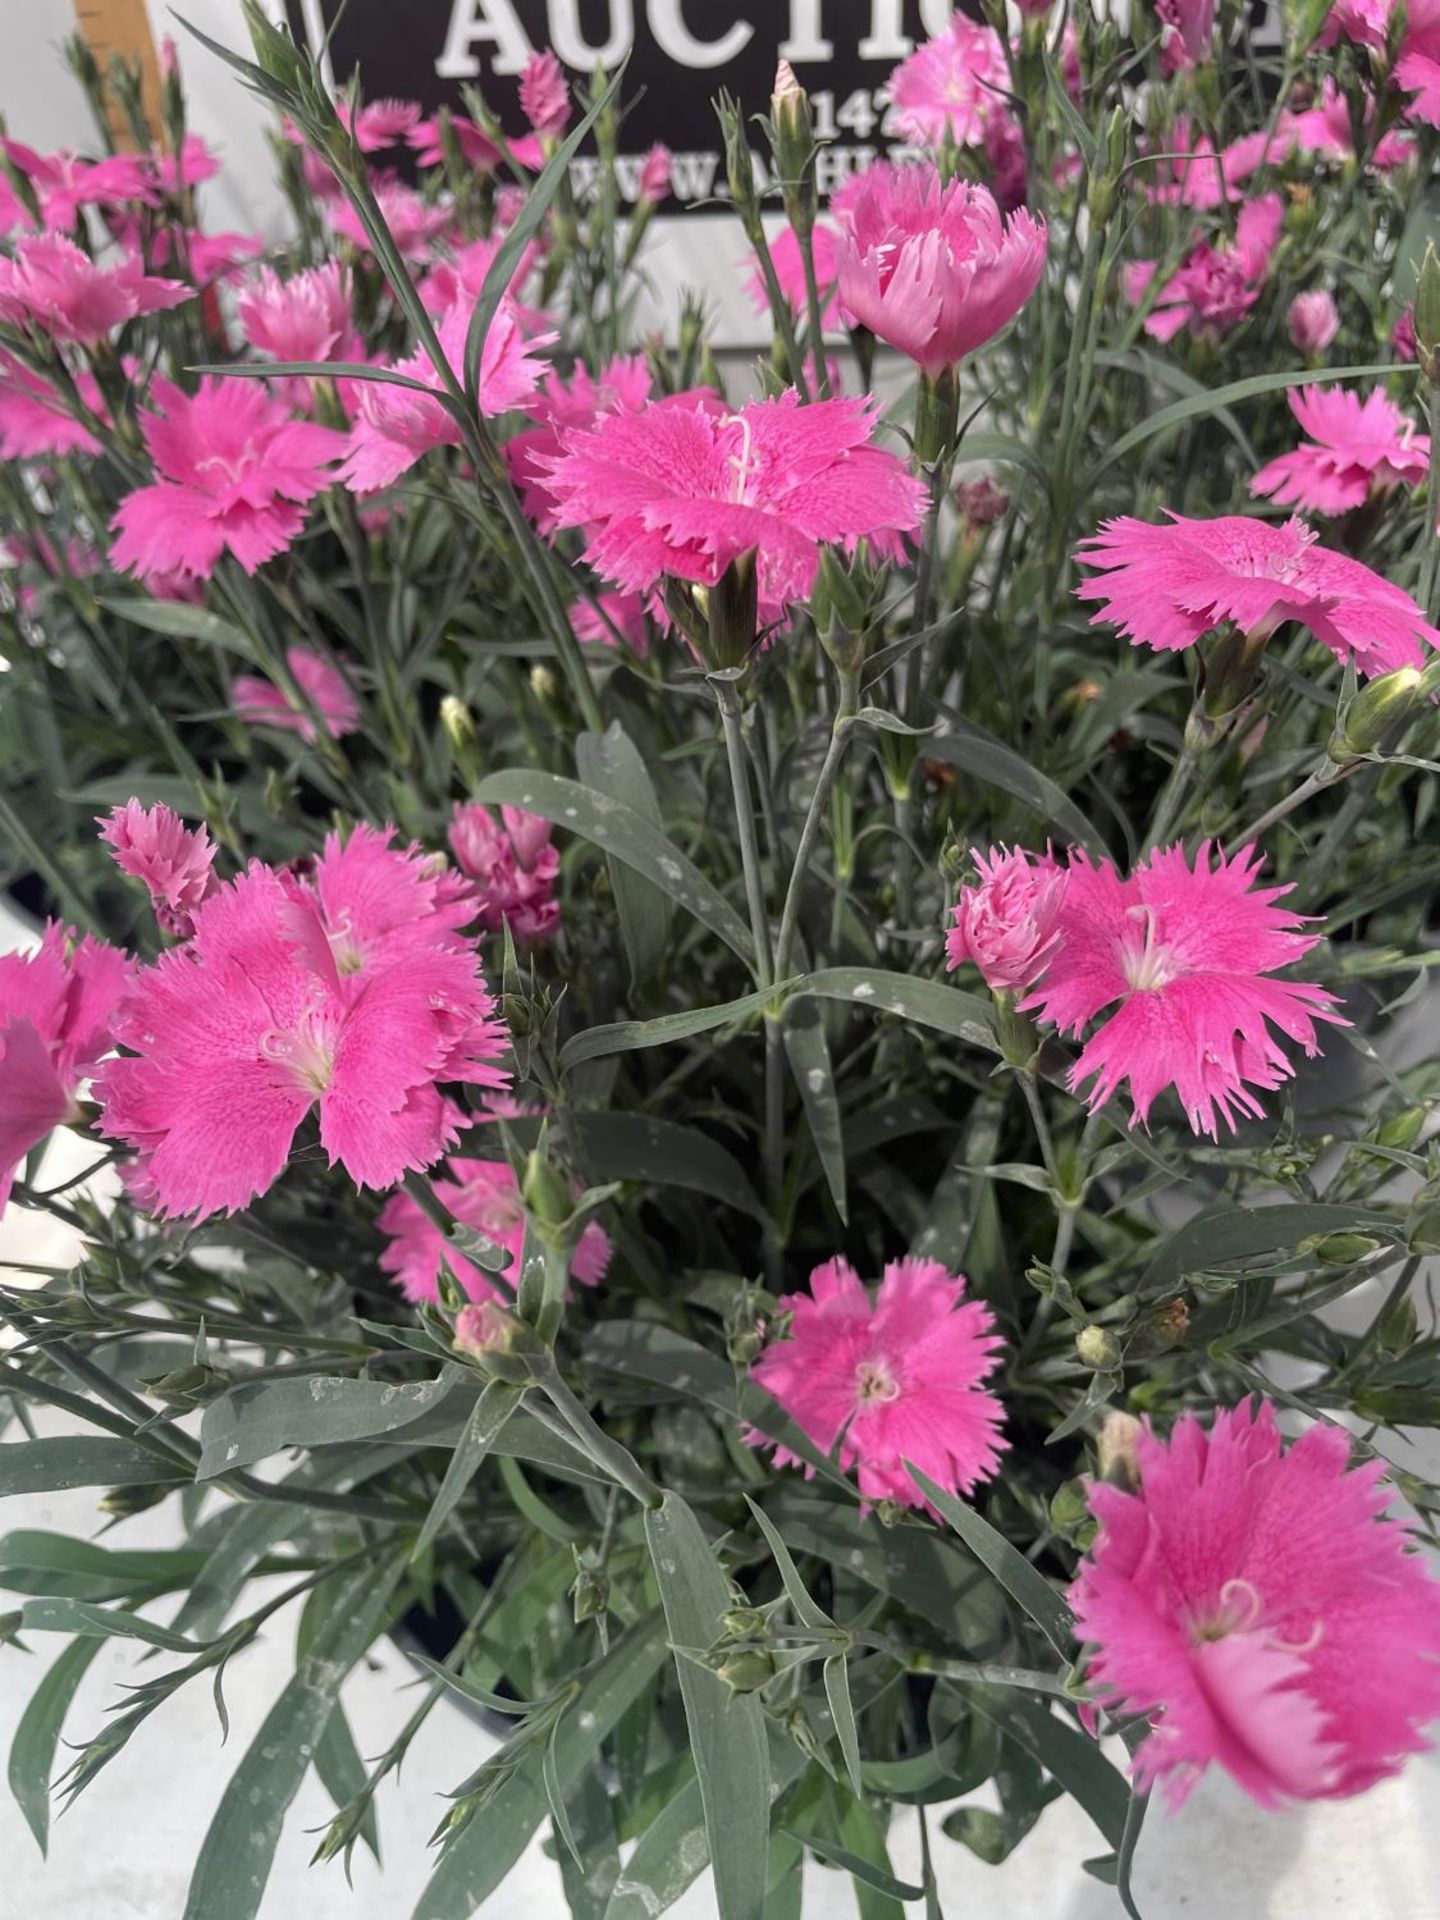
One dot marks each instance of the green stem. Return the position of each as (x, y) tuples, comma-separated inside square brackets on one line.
[(1329, 775), (728, 701), (839, 739), (1430, 561), (605, 1452), (1174, 793)]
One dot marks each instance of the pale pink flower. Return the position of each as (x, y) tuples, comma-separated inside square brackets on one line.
[(350, 991), (54, 286), (1009, 925), (952, 86), (622, 613), (1183, 957), (35, 420), (414, 222), (483, 1194), (65, 184), (653, 185), (324, 687), (175, 862), (514, 868), (1356, 449), (559, 405), (1192, 24), (544, 96), (1215, 287), (1366, 22), (1165, 586), (396, 426), (788, 259), (236, 473), (476, 146), (684, 489), (379, 123), (1313, 322), (305, 318), (933, 269), (56, 1008), (1263, 1610), (900, 1378)]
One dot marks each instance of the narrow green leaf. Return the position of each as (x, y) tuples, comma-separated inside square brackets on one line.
[(727, 1733), (32, 1752), (1224, 1234), (54, 1564), (1069, 1756), (57, 1463), (1217, 398), (235, 1858), (808, 1052), (975, 752), (617, 829), (1030, 1590), (842, 1712), (929, 1003), (807, 1611), (182, 622), (865, 1870), (632, 1146), (251, 1422), (1165, 373), (612, 763), (630, 1036), (1125, 1854), (497, 1402), (53, 1615), (555, 1796), (469, 1689)]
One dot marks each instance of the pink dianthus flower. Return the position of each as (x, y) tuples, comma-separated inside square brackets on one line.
[(235, 475), (1165, 586), (1313, 321), (684, 489), (1356, 448), (1215, 287), (513, 865), (175, 862), (933, 269), (324, 687), (1183, 955), (899, 1377), (788, 259), (1009, 925), (56, 1009), (306, 317), (544, 96), (558, 407), (380, 123), (350, 991), (414, 222), (53, 285), (483, 1194), (1262, 1609), (952, 87), (35, 420), (64, 184), (396, 426)]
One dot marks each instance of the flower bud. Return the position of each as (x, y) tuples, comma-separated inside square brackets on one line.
[(1070, 1513), (591, 1588), (733, 620), (1385, 703), (499, 1343), (1313, 322), (1402, 1130), (1097, 1347), (1341, 1249), (1426, 315), (1117, 1450), (1425, 1234), (544, 1192), (1008, 924), (743, 1623), (743, 1669), (1397, 1329), (793, 140), (457, 720), (121, 1502), (655, 175)]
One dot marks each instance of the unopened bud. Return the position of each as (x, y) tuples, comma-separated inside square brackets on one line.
[(1097, 1347), (746, 1670), (544, 1192), (457, 720), (591, 1591), (733, 612), (1382, 705), (1342, 1249), (1118, 1450), (1425, 1234), (121, 1502), (543, 684), (1070, 1513), (1426, 315), (743, 1623), (1397, 1329)]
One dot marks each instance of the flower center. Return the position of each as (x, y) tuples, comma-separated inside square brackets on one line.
[(344, 945), (307, 1054), (875, 1384), (1239, 1612), (1152, 965), (739, 463)]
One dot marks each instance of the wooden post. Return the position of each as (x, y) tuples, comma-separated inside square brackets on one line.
[(122, 27)]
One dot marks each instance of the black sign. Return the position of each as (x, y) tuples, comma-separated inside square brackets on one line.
[(681, 52)]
